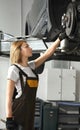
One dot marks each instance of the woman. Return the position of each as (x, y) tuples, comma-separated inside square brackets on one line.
[(22, 77)]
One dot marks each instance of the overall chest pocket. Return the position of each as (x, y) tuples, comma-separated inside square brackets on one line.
[(32, 83)]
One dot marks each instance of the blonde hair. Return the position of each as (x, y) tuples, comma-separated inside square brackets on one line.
[(15, 51)]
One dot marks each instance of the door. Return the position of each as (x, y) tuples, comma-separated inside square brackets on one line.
[(68, 84)]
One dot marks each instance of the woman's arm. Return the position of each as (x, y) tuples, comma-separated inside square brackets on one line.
[(47, 53), (9, 95)]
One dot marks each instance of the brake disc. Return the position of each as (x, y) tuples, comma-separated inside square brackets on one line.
[(71, 20)]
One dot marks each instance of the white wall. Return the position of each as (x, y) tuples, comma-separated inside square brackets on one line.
[(10, 16), (13, 16), (4, 64)]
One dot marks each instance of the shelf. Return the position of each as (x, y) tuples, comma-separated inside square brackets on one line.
[(69, 115), (69, 126)]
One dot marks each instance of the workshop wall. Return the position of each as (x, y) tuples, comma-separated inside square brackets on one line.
[(10, 16), (4, 64)]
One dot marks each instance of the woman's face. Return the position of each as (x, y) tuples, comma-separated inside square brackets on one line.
[(26, 50)]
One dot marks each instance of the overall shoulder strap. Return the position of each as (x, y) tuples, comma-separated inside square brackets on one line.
[(20, 70), (24, 72), (34, 72)]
